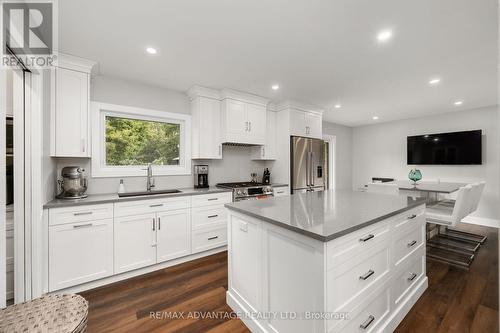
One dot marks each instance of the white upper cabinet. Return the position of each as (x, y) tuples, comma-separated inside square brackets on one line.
[(306, 123), (243, 118), (9, 93), (70, 86), (267, 151), (206, 123)]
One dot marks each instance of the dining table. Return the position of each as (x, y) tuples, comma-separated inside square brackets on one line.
[(431, 190)]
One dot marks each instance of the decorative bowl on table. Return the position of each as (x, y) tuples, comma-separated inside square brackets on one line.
[(415, 175)]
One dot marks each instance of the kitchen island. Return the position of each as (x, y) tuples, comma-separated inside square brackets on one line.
[(332, 261)]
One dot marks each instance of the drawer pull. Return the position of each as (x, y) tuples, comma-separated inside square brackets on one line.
[(83, 226), (82, 213), (413, 242), (367, 275), (412, 276), (212, 199), (412, 216), (212, 216), (367, 322), (367, 238), (212, 238), (157, 205), (159, 223), (280, 192)]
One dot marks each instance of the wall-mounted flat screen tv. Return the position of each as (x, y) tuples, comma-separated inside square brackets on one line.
[(457, 148)]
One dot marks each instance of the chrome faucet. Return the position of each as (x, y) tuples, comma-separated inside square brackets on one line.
[(150, 183)]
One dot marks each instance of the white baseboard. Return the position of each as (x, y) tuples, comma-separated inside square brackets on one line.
[(482, 221)]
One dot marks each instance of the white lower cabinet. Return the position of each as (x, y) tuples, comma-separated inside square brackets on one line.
[(173, 235), (135, 242), (80, 252), (91, 242)]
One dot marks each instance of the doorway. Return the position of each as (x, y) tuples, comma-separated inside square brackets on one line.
[(330, 167)]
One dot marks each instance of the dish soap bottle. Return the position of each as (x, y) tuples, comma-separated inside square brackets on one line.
[(121, 187)]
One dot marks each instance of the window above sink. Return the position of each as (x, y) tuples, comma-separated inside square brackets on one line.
[(125, 139)]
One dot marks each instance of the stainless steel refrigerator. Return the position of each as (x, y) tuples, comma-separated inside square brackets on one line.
[(308, 165)]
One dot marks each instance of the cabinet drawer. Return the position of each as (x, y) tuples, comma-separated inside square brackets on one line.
[(211, 199), (409, 218), (79, 253), (357, 277), (281, 191), (408, 276), (208, 215), (77, 214), (129, 208), (408, 242), (367, 317), (209, 238), (345, 248)]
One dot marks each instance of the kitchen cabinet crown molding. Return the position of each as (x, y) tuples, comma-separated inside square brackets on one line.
[(76, 63), (243, 97), (298, 106), (200, 91)]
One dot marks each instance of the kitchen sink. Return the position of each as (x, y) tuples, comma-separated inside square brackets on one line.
[(141, 193)]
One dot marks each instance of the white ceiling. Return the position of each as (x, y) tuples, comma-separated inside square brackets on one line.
[(320, 52)]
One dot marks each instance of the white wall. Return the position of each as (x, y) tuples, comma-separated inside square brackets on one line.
[(380, 150), (235, 166), (343, 153)]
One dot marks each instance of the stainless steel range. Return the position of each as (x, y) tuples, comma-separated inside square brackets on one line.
[(248, 190)]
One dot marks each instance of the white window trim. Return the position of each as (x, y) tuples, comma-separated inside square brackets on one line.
[(98, 113)]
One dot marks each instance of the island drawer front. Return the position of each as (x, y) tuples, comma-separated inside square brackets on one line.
[(367, 315), (408, 275), (209, 238), (408, 242), (212, 199), (356, 278), (77, 214), (208, 215), (346, 247), (409, 218), (129, 208)]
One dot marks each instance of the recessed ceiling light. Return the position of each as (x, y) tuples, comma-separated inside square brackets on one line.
[(384, 35), (151, 50), (458, 103), (434, 81), (375, 118), (275, 87), (337, 106)]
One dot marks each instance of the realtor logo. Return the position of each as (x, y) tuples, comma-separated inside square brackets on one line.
[(28, 31)]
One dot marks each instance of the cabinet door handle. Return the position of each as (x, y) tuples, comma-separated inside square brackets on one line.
[(83, 145), (367, 238), (249, 126), (263, 151), (212, 199), (412, 216), (156, 205), (413, 242), (154, 222), (159, 223), (246, 126), (412, 276), (367, 322), (212, 216), (82, 213), (87, 225), (212, 238), (279, 192), (367, 275)]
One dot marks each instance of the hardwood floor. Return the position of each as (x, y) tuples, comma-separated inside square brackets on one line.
[(456, 300)]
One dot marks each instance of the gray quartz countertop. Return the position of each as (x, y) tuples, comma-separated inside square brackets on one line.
[(94, 199), (329, 214)]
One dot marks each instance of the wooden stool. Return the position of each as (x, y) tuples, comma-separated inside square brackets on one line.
[(49, 313)]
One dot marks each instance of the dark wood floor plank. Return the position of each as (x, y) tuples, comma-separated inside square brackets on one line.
[(456, 300)]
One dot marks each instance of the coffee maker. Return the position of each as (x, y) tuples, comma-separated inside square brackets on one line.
[(200, 176)]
